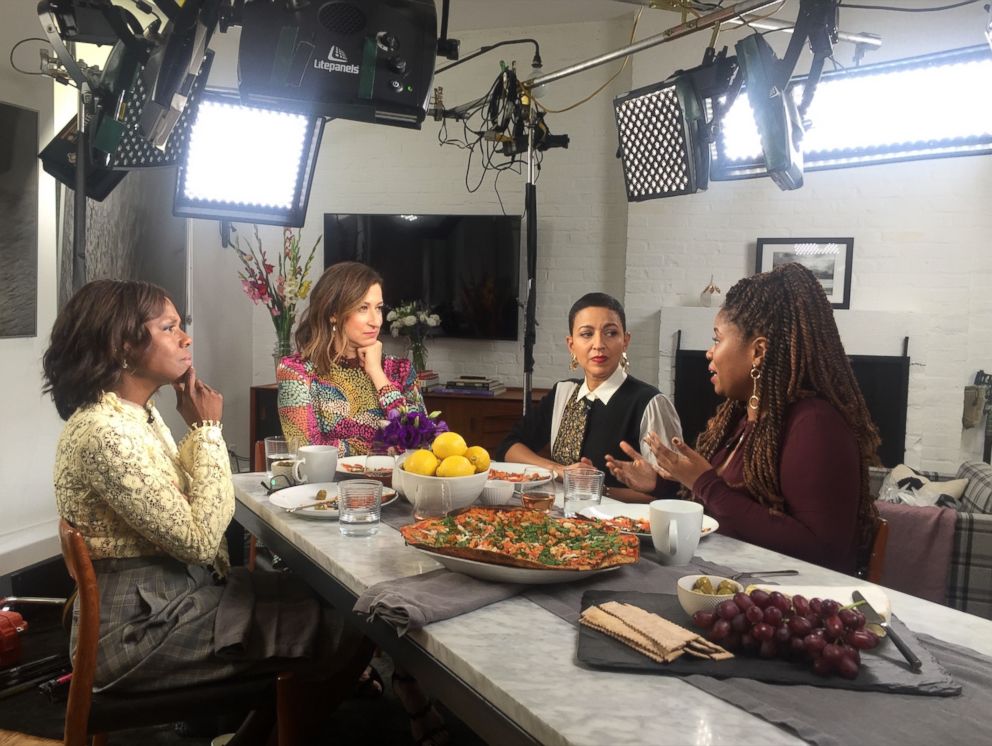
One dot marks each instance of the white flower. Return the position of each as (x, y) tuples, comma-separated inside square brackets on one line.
[(391, 316), (410, 320), (433, 320)]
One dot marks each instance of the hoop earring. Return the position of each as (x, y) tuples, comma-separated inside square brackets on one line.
[(754, 401), (624, 361), (573, 363)]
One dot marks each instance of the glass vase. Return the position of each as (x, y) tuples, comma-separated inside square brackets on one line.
[(282, 348), (418, 357)]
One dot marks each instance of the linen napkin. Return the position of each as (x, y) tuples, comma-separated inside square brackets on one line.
[(413, 602)]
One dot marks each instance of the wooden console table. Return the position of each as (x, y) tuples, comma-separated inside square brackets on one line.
[(481, 420)]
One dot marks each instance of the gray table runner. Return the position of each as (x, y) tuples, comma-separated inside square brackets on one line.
[(819, 715)]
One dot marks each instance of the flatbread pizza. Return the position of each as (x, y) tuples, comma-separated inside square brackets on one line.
[(517, 537)]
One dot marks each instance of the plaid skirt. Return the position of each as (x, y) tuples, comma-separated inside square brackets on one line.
[(167, 625)]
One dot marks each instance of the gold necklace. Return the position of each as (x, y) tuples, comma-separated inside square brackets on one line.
[(733, 452)]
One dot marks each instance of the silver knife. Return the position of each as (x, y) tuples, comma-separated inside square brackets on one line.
[(873, 617)]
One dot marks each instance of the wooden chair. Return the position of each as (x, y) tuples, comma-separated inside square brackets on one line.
[(88, 714), (876, 559), (257, 464)]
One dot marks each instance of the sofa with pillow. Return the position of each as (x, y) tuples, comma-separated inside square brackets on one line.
[(969, 576)]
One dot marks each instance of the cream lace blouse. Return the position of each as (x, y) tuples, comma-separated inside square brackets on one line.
[(123, 482)]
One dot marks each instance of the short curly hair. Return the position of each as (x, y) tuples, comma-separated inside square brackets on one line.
[(85, 354)]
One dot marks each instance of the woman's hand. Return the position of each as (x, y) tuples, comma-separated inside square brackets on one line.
[(370, 357), (637, 473), (195, 400), (679, 463)]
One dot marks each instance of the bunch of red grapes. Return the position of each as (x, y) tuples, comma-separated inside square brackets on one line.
[(773, 625)]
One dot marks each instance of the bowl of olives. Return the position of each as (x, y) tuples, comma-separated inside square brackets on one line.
[(704, 592)]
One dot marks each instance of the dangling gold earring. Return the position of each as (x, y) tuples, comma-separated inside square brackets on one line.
[(624, 361), (124, 364), (754, 401), (573, 363)]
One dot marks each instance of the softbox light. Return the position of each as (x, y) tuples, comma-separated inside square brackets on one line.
[(661, 147), (247, 163), (370, 61)]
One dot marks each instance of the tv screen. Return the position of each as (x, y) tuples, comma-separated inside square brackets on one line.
[(465, 267)]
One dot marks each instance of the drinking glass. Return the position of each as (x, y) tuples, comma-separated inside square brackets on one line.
[(276, 449), (537, 496), (583, 488), (432, 500), (359, 506)]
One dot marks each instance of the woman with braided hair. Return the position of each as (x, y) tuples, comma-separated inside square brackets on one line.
[(784, 461)]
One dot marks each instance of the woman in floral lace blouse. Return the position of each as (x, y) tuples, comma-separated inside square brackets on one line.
[(153, 514), (338, 388)]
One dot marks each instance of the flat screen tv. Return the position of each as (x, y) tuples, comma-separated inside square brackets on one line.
[(465, 267)]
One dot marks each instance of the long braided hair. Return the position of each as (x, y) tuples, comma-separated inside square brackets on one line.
[(804, 358)]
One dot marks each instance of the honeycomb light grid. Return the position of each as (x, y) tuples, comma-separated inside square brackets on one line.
[(654, 145), (134, 149)]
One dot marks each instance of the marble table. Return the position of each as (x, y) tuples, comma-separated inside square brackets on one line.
[(509, 671)]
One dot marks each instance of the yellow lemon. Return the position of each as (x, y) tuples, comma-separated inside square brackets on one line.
[(455, 466), (421, 462), (449, 444), (479, 457)]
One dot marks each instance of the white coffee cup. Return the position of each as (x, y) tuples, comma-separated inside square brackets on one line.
[(675, 529), (315, 464)]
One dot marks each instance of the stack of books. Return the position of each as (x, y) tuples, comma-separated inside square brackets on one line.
[(428, 379), (477, 385)]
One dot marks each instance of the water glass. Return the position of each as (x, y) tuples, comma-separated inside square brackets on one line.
[(583, 488), (359, 506), (276, 449), (432, 500)]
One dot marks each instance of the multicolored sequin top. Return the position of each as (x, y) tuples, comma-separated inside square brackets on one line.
[(341, 407)]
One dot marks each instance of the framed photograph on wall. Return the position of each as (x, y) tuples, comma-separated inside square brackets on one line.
[(827, 258)]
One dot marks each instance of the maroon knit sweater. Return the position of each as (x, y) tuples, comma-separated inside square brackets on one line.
[(820, 481)]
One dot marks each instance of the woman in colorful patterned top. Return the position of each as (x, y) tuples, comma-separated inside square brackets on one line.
[(153, 515), (338, 388)]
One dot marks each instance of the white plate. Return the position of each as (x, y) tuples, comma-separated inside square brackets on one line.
[(506, 574), (709, 526), (346, 461), (635, 510), (304, 494), (519, 469)]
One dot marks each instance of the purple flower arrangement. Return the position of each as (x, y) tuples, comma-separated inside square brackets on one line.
[(411, 428)]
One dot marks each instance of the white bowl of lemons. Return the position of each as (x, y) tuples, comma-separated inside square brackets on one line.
[(450, 465)]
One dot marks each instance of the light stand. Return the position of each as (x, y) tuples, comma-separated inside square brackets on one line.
[(530, 209)]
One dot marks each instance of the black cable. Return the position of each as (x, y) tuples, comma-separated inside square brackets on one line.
[(482, 50), (14, 49), (910, 10)]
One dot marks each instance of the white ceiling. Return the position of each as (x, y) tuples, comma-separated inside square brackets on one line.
[(484, 14)]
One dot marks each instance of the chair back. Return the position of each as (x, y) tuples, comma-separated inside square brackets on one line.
[(876, 559), (80, 566), (258, 463)]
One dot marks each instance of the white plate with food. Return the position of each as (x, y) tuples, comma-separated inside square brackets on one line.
[(635, 519), (506, 471), (324, 494), (508, 574), (370, 467)]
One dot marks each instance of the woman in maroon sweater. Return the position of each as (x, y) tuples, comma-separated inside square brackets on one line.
[(784, 462)]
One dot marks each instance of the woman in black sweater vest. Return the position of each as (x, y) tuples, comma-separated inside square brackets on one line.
[(582, 420)]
